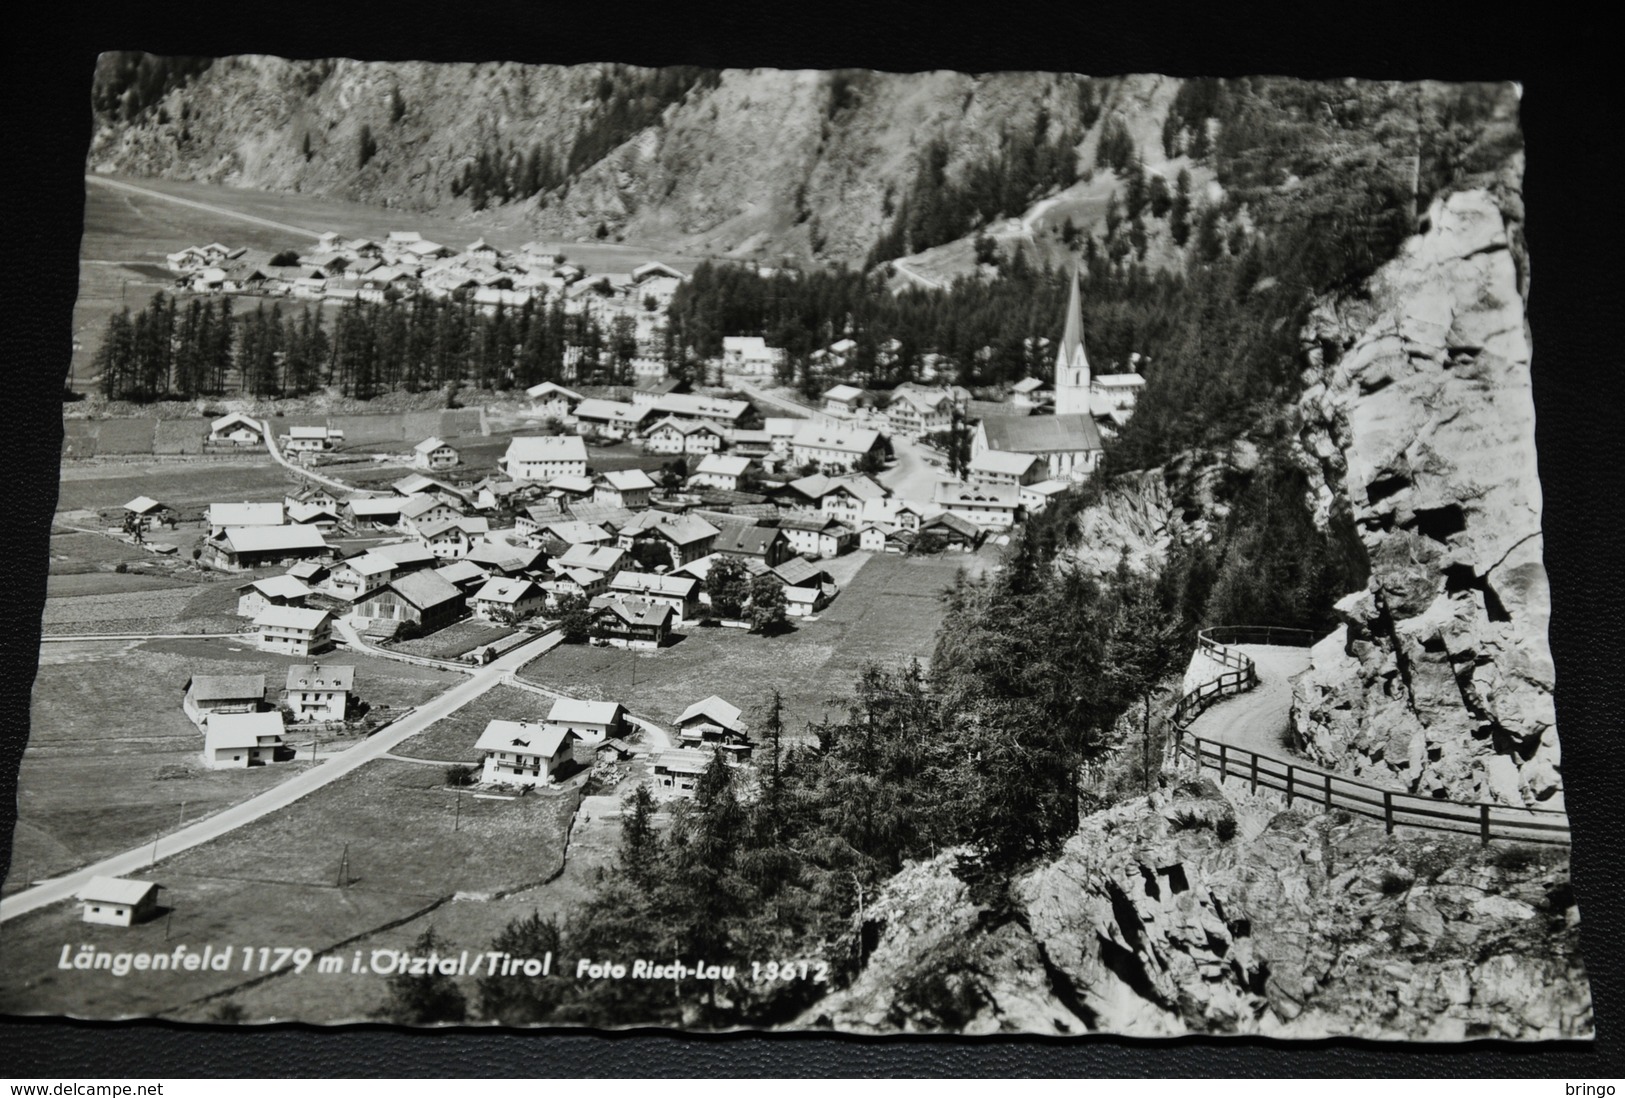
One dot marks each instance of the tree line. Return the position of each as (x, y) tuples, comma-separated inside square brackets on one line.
[(204, 348)]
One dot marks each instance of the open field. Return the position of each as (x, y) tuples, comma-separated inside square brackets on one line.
[(70, 585), (407, 847), (111, 757), (452, 739), (454, 640), (889, 612), (184, 486)]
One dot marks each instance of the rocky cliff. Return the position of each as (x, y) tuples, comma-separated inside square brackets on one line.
[(1418, 411), (1194, 911), (758, 162)]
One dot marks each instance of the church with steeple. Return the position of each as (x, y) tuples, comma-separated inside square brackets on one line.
[(1068, 442)]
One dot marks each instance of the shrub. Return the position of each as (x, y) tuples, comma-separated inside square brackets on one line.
[(1225, 828), (459, 775), (1192, 821)]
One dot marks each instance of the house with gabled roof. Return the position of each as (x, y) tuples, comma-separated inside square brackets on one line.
[(206, 695), (677, 772), (465, 575), (610, 418), (714, 724), (688, 538), (843, 400), (719, 471), (294, 630), (237, 428), (630, 623), (628, 488), (317, 692), (681, 593), (836, 449), (312, 439), (816, 535), (543, 457), (990, 506), (672, 435), (591, 722), (434, 453), (117, 901), (1005, 467), (554, 401), (221, 515), (454, 537), (256, 595), (956, 531), (849, 497), (425, 510), (238, 549), (914, 412), (522, 753), (240, 740), (1036, 497), (372, 510), (746, 541), (509, 600), (422, 599)]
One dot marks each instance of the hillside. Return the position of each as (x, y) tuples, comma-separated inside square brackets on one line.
[(761, 163)]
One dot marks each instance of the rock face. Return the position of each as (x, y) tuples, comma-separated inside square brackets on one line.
[(764, 163), (1197, 912), (1419, 413)]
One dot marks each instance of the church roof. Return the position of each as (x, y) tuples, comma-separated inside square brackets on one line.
[(1041, 434)]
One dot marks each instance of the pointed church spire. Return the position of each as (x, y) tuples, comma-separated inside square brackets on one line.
[(1071, 364)]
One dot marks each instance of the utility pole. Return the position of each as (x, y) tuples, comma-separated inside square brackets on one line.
[(154, 860), (344, 867), (457, 824)]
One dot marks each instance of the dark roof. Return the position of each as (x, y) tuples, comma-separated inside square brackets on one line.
[(752, 541), (1041, 434), (425, 589), (634, 611), (798, 570), (955, 524), (214, 687)]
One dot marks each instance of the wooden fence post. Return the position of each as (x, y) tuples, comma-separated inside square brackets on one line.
[(1223, 763), (1289, 785), (1255, 771), (1328, 792), (1484, 823), (1388, 811)]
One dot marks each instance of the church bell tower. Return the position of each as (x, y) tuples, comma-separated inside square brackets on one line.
[(1071, 364)]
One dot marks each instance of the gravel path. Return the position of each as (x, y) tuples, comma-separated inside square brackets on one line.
[(1258, 718)]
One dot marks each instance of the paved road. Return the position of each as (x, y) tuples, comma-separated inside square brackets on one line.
[(912, 478), (799, 410), (1257, 719), (273, 800), (218, 210)]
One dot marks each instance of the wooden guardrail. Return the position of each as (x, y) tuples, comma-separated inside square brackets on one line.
[(1395, 808)]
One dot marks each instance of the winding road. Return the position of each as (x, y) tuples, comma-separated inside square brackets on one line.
[(272, 800), (1257, 719)]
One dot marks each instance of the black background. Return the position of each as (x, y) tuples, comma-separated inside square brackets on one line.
[(1570, 135)]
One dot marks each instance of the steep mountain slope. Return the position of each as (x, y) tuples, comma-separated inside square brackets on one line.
[(747, 162), (1420, 415)]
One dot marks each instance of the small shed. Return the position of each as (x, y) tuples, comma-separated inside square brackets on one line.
[(118, 901)]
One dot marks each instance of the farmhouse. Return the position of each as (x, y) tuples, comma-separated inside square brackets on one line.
[(599, 558), (836, 449), (767, 544), (566, 582), (425, 510), (956, 531), (207, 695), (609, 418), (816, 535), (687, 537), (804, 602), (465, 575), (433, 453), (500, 558), (454, 537), (312, 439), (294, 630), (271, 591), (118, 901), (508, 600), (843, 400), (677, 772), (314, 514), (365, 572), (240, 740), (1036, 497), (1029, 392), (714, 723), (990, 506), (237, 549), (422, 599), (681, 593), (543, 457), (309, 572), (238, 429), (554, 401), (719, 471), (750, 355), (149, 512), (848, 498), (317, 693), (647, 393), (407, 556), (683, 436), (221, 515), (311, 495), (382, 510), (591, 722), (1003, 467), (627, 488), (520, 753), (630, 623), (555, 537), (914, 412)]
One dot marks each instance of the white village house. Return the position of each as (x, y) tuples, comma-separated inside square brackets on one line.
[(318, 693), (293, 631), (543, 457), (434, 453), (118, 901), (521, 753), (240, 740)]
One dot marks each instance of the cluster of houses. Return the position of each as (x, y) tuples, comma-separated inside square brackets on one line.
[(526, 754), (404, 265), (241, 728)]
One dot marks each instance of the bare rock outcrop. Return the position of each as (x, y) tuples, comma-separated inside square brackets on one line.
[(1419, 413), (1198, 911)]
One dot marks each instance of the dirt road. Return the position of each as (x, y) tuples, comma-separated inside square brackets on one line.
[(220, 211), (1258, 718)]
